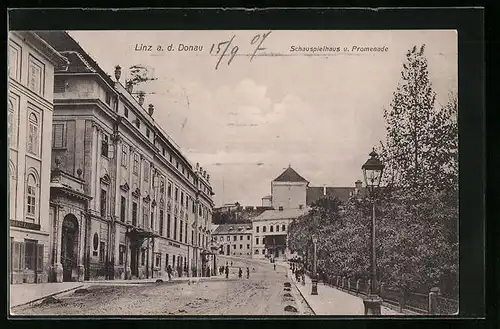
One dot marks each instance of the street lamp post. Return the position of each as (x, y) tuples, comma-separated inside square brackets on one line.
[(314, 289), (372, 172)]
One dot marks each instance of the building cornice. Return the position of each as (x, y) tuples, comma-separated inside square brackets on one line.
[(43, 48)]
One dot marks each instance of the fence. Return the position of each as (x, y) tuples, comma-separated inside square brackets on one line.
[(431, 303)]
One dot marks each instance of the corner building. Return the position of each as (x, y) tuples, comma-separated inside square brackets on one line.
[(125, 201), (31, 64)]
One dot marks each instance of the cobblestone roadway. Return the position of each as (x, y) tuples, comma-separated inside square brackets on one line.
[(262, 294)]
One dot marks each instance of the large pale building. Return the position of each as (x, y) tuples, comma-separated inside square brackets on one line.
[(291, 197), (124, 202), (234, 239), (30, 109)]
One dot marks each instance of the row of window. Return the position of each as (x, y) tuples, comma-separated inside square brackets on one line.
[(36, 69), (271, 228), (33, 128), (234, 238), (241, 246), (178, 166)]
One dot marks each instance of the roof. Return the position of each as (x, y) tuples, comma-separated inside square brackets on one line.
[(267, 197), (290, 175), (281, 214), (234, 229), (314, 193), (80, 61), (57, 59)]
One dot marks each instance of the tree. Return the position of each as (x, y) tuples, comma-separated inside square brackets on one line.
[(419, 212)]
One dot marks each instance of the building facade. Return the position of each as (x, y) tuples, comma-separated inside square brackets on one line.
[(30, 110), (288, 190), (234, 239), (125, 201)]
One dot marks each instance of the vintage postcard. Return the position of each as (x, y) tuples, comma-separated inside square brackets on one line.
[(233, 172)]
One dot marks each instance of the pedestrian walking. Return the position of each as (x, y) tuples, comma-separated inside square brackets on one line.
[(227, 271), (248, 273), (169, 272), (240, 272), (275, 267)]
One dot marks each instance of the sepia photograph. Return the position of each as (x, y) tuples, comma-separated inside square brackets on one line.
[(233, 173)]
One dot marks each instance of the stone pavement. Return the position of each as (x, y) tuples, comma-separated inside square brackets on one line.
[(331, 301), (21, 294), (25, 293)]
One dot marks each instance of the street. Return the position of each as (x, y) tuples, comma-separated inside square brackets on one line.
[(262, 294)]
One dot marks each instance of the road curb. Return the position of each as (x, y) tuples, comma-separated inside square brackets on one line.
[(301, 294), (46, 296)]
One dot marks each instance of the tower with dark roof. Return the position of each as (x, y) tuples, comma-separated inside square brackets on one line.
[(289, 190)]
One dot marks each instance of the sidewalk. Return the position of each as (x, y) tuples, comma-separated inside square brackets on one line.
[(331, 301), (24, 293)]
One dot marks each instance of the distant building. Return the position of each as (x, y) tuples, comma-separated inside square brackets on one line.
[(234, 239), (270, 232), (289, 190), (267, 201), (342, 193), (31, 65), (291, 197)]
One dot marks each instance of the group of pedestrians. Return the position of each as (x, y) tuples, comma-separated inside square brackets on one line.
[(300, 274), (225, 270)]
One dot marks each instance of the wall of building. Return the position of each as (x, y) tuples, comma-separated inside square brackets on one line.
[(265, 228), (288, 194), (136, 163), (30, 104), (240, 244)]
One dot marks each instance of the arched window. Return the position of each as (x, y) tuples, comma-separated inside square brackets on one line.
[(32, 141), (31, 196)]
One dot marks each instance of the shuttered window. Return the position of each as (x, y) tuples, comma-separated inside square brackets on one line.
[(39, 257), (16, 256), (30, 254), (58, 135)]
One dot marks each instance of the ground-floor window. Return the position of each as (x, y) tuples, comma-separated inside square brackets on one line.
[(27, 255), (256, 251), (158, 260), (143, 257), (30, 254), (166, 261), (121, 254), (263, 251), (102, 251)]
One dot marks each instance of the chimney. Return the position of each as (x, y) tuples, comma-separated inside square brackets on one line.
[(118, 72), (151, 109), (197, 166), (208, 178)]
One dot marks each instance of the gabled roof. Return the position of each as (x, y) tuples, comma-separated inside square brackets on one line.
[(290, 213), (244, 228), (290, 175)]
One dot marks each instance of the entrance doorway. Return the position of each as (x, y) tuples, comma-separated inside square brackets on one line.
[(69, 246), (134, 269)]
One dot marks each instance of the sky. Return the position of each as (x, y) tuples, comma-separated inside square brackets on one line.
[(247, 120)]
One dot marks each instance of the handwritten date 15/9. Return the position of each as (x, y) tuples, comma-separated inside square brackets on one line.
[(222, 48)]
